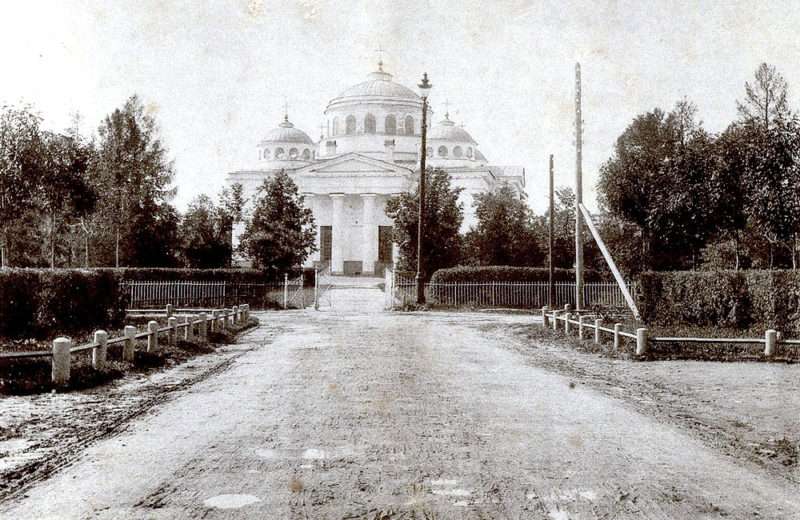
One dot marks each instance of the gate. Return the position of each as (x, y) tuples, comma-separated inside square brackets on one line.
[(322, 287)]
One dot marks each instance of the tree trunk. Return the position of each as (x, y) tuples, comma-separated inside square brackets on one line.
[(117, 249), (86, 250)]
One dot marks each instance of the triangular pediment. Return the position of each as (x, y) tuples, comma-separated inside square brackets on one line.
[(353, 163)]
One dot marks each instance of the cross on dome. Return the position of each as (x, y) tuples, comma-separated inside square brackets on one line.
[(380, 51), (285, 109)]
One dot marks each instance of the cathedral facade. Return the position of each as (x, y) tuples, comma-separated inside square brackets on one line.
[(369, 153)]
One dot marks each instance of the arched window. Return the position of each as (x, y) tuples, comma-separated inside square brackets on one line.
[(369, 124), (293, 153), (350, 125), (306, 154), (457, 152), (335, 126), (279, 153), (409, 125), (391, 125), (469, 152), (429, 151), (266, 153), (442, 151)]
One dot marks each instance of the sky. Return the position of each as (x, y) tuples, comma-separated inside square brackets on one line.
[(215, 74)]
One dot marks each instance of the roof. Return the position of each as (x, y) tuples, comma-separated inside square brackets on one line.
[(379, 84), (446, 130), (287, 133)]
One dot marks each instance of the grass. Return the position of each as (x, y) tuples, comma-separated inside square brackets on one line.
[(30, 376)]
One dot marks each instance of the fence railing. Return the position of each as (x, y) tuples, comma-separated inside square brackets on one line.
[(531, 295), (193, 326), (156, 294), (582, 322)]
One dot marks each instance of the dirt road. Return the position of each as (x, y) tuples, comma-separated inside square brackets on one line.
[(389, 415)]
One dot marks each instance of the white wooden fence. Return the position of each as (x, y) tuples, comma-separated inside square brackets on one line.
[(194, 328), (156, 294)]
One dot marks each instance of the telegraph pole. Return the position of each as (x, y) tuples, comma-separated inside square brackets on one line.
[(552, 287), (578, 192)]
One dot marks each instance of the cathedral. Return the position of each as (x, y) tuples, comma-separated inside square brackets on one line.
[(370, 151)]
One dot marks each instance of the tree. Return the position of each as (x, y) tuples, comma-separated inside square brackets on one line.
[(20, 169), (766, 99), (231, 212), (204, 234), (132, 176), (441, 241), (280, 235), (506, 233)]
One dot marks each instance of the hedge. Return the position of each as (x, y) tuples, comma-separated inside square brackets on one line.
[(44, 302), (735, 299), (163, 274), (495, 273)]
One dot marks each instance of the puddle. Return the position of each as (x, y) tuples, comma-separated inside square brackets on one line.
[(314, 454), (230, 501)]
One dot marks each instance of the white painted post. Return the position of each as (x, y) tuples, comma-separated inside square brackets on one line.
[(224, 319), (60, 373), (597, 324), (235, 314), (170, 309), (580, 326), (186, 333), (152, 339), (544, 317), (770, 339), (617, 329), (316, 290), (567, 308), (129, 347), (285, 290), (641, 341), (567, 316), (190, 328), (99, 352), (555, 319), (173, 331), (214, 319), (203, 328)]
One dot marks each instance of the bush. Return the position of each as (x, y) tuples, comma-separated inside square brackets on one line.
[(45, 302), (165, 274), (500, 273), (735, 299)]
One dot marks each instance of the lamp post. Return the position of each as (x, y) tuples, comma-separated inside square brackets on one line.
[(424, 90)]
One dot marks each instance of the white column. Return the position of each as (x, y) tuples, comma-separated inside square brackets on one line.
[(369, 232), (337, 246), (311, 203)]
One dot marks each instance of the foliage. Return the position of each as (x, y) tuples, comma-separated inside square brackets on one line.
[(743, 299), (441, 240), (494, 273), (254, 276), (766, 98), (39, 302), (280, 235), (135, 224), (205, 236), (506, 233)]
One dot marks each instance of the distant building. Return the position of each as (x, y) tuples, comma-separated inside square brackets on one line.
[(370, 152)]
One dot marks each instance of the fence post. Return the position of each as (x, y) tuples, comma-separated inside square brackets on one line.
[(60, 373), (597, 324), (617, 329), (567, 307), (99, 352), (285, 290), (190, 328), (246, 314), (224, 319), (235, 318), (129, 347), (203, 328), (641, 341), (770, 339), (544, 317), (214, 319), (302, 290), (169, 310), (173, 330), (580, 326), (567, 316), (152, 339), (316, 289), (555, 320)]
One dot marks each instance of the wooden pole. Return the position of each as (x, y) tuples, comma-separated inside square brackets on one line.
[(551, 288), (578, 192)]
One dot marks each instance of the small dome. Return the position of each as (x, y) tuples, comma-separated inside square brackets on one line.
[(287, 133), (446, 130)]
